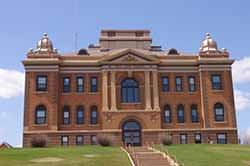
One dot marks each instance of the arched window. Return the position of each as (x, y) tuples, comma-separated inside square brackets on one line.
[(167, 114), (80, 115), (93, 115), (66, 115), (130, 91), (219, 112), (180, 114), (194, 114), (40, 117)]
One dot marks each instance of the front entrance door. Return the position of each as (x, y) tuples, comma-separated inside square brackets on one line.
[(131, 133)]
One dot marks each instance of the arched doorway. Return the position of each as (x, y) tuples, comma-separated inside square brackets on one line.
[(131, 133)]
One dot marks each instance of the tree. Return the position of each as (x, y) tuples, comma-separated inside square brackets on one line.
[(245, 137)]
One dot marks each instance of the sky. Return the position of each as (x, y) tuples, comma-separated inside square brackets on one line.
[(179, 24)]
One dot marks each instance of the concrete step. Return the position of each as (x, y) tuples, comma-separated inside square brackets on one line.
[(154, 163), (148, 157)]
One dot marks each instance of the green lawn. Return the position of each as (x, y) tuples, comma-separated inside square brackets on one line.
[(211, 155), (72, 156)]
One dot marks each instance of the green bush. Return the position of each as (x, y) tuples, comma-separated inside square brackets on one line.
[(104, 140), (39, 141), (167, 140)]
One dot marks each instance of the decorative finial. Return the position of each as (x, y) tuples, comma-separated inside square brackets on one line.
[(208, 35), (224, 49), (30, 50), (45, 34)]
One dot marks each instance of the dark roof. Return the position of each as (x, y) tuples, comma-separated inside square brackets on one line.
[(5, 145)]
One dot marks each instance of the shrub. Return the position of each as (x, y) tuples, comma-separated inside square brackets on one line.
[(39, 141), (167, 140), (104, 140)]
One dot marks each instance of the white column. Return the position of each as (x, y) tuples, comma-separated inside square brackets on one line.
[(105, 91), (156, 93), (147, 91), (113, 91)]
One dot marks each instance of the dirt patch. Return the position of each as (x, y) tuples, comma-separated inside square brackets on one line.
[(229, 149), (247, 163), (90, 155), (46, 159)]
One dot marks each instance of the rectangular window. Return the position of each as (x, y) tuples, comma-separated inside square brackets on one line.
[(216, 82), (222, 138), (191, 83), (66, 118), (178, 84), (165, 84), (93, 84), (197, 138), (80, 116), (93, 140), (65, 140), (80, 85), (41, 83), (79, 140), (183, 138), (66, 84)]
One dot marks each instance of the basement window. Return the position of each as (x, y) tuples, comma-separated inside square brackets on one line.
[(65, 140)]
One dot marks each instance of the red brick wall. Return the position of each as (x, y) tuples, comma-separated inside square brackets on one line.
[(54, 99)]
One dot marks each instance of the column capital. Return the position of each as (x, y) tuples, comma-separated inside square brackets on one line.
[(105, 71)]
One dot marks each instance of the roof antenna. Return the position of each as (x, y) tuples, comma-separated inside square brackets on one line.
[(75, 15), (76, 40)]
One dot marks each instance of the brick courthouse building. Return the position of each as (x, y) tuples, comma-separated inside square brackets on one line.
[(130, 90)]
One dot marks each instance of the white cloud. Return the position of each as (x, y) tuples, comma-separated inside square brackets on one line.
[(12, 83), (242, 100), (245, 136), (241, 70)]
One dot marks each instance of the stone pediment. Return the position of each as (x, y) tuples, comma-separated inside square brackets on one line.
[(129, 56)]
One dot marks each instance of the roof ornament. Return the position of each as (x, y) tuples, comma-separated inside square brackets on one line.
[(224, 49), (208, 45), (45, 45), (31, 50)]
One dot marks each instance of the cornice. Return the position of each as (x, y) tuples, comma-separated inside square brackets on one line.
[(41, 61)]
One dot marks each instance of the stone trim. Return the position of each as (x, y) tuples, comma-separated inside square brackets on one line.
[(120, 130), (105, 91), (129, 157), (113, 91), (147, 91)]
